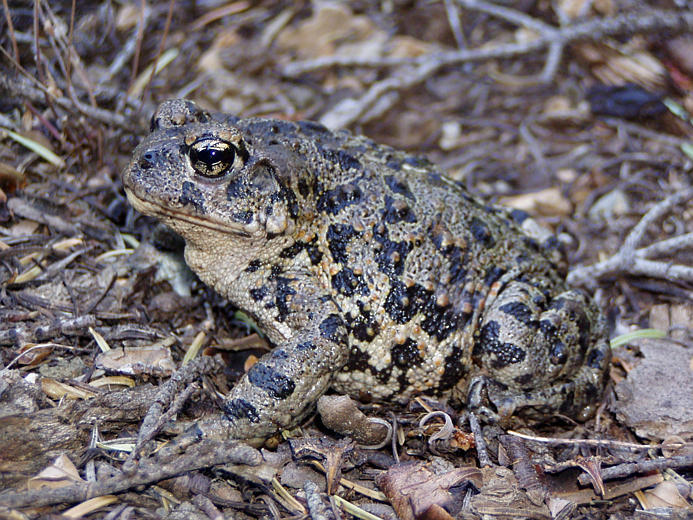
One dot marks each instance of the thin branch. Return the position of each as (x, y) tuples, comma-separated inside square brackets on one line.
[(592, 443), (206, 454), (628, 260), (421, 68), (10, 28), (629, 468), (22, 89), (595, 29)]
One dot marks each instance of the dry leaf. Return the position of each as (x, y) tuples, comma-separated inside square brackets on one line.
[(153, 360), (89, 506), (615, 64), (59, 474), (57, 390), (333, 29), (665, 494), (413, 489), (549, 203), (32, 354)]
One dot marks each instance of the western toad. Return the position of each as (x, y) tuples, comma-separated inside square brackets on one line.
[(367, 269)]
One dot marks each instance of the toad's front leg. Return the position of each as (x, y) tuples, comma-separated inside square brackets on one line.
[(282, 388)]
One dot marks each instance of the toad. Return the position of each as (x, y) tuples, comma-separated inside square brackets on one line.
[(369, 271)]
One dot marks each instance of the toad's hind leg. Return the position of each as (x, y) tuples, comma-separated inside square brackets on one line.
[(543, 355)]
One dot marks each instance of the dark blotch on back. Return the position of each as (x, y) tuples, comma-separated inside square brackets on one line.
[(338, 237), (396, 210), (345, 160), (364, 327), (335, 200), (334, 329), (481, 233), (390, 255), (313, 129), (271, 381), (241, 409), (407, 354), (346, 282), (505, 353), (520, 312), (454, 369), (398, 186)]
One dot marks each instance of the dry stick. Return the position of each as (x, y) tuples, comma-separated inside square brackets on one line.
[(22, 89), (629, 468), (207, 454), (425, 66), (553, 441), (667, 246), (647, 20), (453, 16), (10, 27), (168, 392), (524, 469), (481, 450), (160, 50), (628, 260)]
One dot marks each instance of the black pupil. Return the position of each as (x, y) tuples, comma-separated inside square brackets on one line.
[(212, 156)]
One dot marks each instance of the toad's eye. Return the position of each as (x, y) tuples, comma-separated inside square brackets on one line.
[(211, 157)]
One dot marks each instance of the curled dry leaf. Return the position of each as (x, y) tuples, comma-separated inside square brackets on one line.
[(414, 489)]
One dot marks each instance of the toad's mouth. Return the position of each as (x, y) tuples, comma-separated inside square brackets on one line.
[(172, 216)]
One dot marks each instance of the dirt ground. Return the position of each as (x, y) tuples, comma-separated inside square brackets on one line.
[(577, 111)]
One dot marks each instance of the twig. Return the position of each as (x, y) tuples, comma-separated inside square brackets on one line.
[(524, 469), (39, 94), (593, 443), (206, 454), (454, 21), (482, 452), (628, 260), (168, 392), (22, 334), (595, 29), (668, 246), (421, 68), (10, 28), (629, 468)]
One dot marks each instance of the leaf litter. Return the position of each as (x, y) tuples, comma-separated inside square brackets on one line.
[(499, 97)]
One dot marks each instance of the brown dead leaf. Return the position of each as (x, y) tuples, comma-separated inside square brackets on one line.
[(62, 472), (153, 360), (664, 494), (57, 390), (549, 203), (617, 64), (333, 29), (413, 488), (32, 354)]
